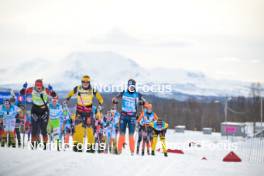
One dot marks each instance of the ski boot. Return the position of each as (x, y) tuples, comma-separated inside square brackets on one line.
[(90, 148), (153, 153), (11, 142), (137, 150), (166, 154), (3, 142), (142, 153), (19, 144), (45, 146), (58, 145), (75, 148)]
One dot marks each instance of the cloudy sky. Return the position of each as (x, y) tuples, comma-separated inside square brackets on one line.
[(222, 38)]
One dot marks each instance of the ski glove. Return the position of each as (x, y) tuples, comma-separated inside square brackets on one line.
[(100, 108), (115, 101), (53, 94), (50, 87), (25, 85)]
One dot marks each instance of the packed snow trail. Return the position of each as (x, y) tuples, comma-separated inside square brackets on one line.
[(24, 162)]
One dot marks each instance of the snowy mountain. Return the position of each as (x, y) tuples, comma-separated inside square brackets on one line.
[(108, 68)]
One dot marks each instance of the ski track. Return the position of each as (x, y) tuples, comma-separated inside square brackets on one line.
[(25, 162)]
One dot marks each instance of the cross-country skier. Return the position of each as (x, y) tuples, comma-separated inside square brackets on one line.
[(99, 133), (130, 100), (111, 121), (28, 126), (84, 121), (39, 110), (145, 131), (20, 124), (8, 113), (116, 119), (159, 130), (55, 118), (67, 123)]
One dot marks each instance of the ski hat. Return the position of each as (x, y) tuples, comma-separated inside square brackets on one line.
[(148, 105), (131, 82), (86, 78), (7, 102), (55, 99), (39, 83)]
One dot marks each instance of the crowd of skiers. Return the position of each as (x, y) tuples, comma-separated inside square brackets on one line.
[(52, 121)]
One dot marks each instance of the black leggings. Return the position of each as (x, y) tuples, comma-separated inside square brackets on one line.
[(17, 130), (39, 120)]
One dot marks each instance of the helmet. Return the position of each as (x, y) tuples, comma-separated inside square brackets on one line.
[(39, 83), (86, 78), (131, 82)]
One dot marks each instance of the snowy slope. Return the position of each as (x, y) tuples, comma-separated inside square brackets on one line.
[(109, 68), (24, 162)]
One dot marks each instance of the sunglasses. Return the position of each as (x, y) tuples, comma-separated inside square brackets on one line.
[(87, 82)]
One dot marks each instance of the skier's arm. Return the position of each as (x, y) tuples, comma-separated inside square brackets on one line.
[(118, 97), (99, 97), (51, 92), (166, 125), (155, 116), (72, 93), (27, 91), (140, 117), (18, 110), (142, 100)]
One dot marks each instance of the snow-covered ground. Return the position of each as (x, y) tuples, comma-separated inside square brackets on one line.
[(213, 147)]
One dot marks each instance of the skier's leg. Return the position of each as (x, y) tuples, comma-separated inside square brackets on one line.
[(143, 146), (35, 129), (55, 124), (90, 131), (4, 138), (50, 129), (163, 143), (12, 126), (131, 127), (44, 119), (17, 130), (154, 142), (149, 138), (67, 136), (139, 138), (121, 140), (78, 136), (90, 139), (12, 141)]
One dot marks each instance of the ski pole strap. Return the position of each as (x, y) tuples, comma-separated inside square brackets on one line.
[(45, 103)]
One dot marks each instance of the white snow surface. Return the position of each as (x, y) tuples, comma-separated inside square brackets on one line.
[(24, 162)]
